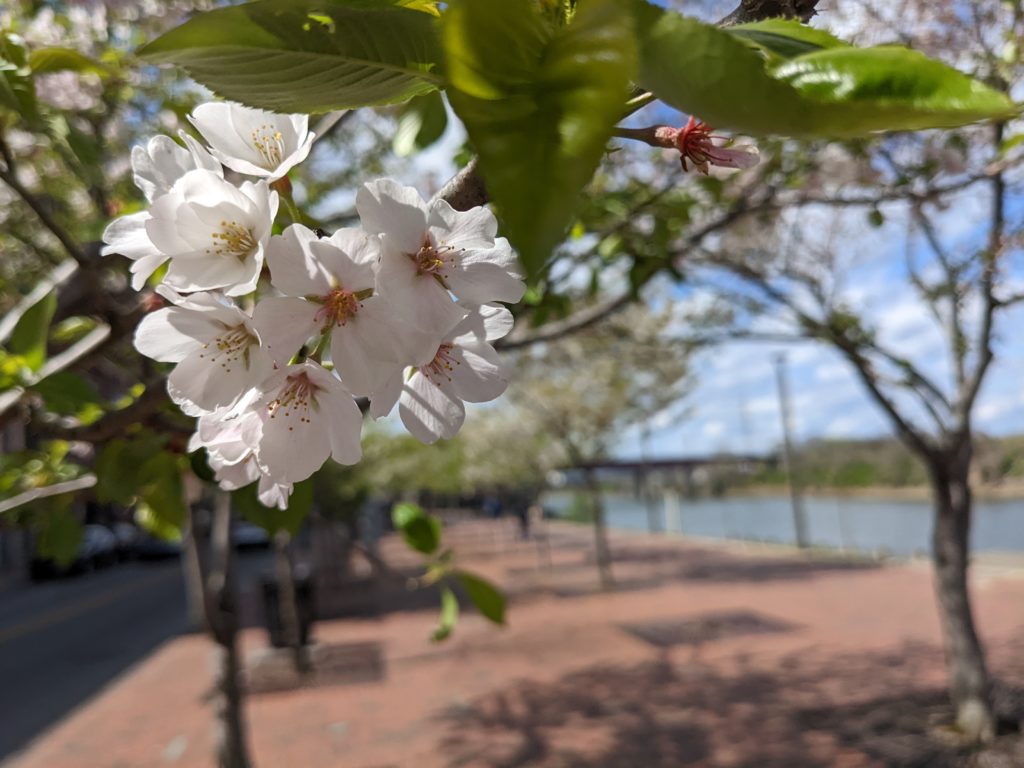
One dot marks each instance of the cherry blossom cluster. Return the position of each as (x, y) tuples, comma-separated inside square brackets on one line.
[(274, 335)]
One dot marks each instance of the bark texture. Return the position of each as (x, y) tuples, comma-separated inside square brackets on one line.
[(969, 684)]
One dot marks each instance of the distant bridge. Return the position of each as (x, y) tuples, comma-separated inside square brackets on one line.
[(686, 463)]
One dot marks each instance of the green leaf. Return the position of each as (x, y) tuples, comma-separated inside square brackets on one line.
[(43, 61), (58, 532), (484, 595), (421, 122), (306, 56), (539, 101), (421, 531), (836, 92), (162, 495), (118, 468), (66, 393), (272, 519), (785, 38), (28, 339), (449, 616), (17, 91)]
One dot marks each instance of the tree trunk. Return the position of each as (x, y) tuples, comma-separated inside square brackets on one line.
[(287, 605), (969, 686), (222, 623), (602, 553)]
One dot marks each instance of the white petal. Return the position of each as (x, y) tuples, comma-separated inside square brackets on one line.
[(296, 440), (481, 377), (284, 324), (387, 208), (144, 267), (349, 256), (472, 229), (126, 235), (273, 494), (482, 282), (418, 298), (170, 334), (384, 398), (293, 269), (430, 411), (365, 351)]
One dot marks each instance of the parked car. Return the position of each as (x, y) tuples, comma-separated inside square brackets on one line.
[(97, 549), (245, 535), (150, 547), (127, 539)]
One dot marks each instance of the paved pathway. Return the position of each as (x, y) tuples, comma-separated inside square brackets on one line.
[(705, 655)]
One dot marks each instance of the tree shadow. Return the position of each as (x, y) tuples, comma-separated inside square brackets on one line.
[(811, 710)]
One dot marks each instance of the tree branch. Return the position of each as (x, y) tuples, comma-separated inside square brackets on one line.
[(9, 176), (757, 10)]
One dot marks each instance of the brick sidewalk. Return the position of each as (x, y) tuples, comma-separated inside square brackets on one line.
[(705, 655)]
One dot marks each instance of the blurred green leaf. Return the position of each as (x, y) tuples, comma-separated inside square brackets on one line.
[(30, 334), (58, 532), (17, 91), (484, 595), (162, 494), (539, 102), (835, 92), (421, 122), (58, 59), (449, 616), (421, 531), (66, 393), (119, 466), (273, 54), (271, 519)]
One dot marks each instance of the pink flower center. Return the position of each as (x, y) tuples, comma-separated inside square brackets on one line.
[(229, 348), (442, 366), (293, 400), (432, 259), (339, 307), (694, 142)]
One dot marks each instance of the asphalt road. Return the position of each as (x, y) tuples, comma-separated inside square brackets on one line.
[(61, 641)]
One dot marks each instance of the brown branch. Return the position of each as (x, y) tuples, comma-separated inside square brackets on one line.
[(9, 176), (969, 393), (757, 10), (465, 190)]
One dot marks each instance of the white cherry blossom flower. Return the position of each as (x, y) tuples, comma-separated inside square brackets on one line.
[(464, 368), (336, 276), (156, 166), (215, 345), (253, 141), (431, 251), (230, 436), (162, 161), (213, 232), (308, 416)]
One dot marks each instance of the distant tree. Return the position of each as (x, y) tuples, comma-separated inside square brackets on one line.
[(584, 391)]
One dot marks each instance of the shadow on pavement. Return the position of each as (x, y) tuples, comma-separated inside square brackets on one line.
[(810, 711)]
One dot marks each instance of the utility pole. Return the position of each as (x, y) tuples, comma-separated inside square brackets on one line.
[(645, 480), (792, 468)]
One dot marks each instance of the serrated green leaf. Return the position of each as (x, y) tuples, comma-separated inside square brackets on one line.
[(539, 101), (271, 519), (487, 598), (271, 54), (28, 339), (449, 616), (421, 122), (837, 92), (43, 61), (785, 37)]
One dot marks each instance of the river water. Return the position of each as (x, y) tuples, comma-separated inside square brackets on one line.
[(865, 525)]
